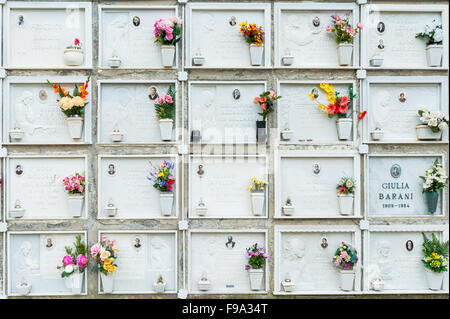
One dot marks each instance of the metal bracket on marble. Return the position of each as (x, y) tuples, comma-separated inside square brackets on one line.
[(3, 227), (182, 76), (183, 225), (3, 152), (2, 73), (360, 2), (363, 149), (364, 224), (183, 149), (182, 294), (361, 74)]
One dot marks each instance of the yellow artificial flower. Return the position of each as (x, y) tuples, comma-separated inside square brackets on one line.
[(160, 174), (311, 95)]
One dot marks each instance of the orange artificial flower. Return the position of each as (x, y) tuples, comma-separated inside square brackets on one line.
[(256, 100)]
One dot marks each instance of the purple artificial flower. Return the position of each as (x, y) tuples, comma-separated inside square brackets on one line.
[(247, 267)]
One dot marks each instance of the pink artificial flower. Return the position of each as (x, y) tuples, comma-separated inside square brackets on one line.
[(77, 41), (343, 254), (328, 29), (272, 94), (95, 250), (266, 256), (67, 260), (359, 25), (159, 100), (82, 261), (263, 106), (169, 36), (332, 109), (343, 108), (168, 98), (103, 239), (170, 187), (248, 267)]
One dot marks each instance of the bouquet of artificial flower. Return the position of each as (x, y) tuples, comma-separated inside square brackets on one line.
[(345, 257), (346, 185), (256, 257), (168, 31), (435, 178), (72, 104), (337, 104), (266, 101), (343, 29), (75, 259), (256, 185), (435, 254), (105, 253), (436, 121), (75, 184), (162, 177), (433, 33), (165, 106), (252, 33)]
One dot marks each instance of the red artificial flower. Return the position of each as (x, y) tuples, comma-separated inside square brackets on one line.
[(171, 181), (343, 108), (77, 42), (333, 108), (263, 106), (361, 116)]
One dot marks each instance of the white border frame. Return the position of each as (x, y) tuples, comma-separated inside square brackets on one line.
[(68, 232), (191, 214), (441, 229), (367, 188), (156, 82), (7, 190), (178, 187), (381, 7), (368, 102), (355, 156), (106, 7), (356, 238), (87, 123), (203, 83), (226, 231), (280, 6), (86, 6), (149, 232), (355, 127), (238, 6)]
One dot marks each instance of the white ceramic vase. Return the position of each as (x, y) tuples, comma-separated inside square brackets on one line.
[(17, 212), (345, 204), (204, 285), (23, 289), (75, 282), (73, 57), (287, 134), (16, 134), (434, 54), (258, 200), (288, 210), (347, 279), (345, 52), (76, 203), (434, 279), (167, 55), (256, 278), (377, 135), (165, 128), (159, 287), (107, 283), (423, 132), (116, 136), (344, 128), (166, 203), (288, 286), (75, 125), (256, 54), (114, 62)]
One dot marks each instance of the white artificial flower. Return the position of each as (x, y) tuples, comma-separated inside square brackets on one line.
[(438, 35), (434, 114), (442, 126), (349, 183), (446, 118), (68, 268), (432, 122), (441, 115), (429, 28), (341, 182), (423, 120), (426, 115)]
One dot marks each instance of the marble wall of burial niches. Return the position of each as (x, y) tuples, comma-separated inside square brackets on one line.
[(300, 120), (41, 35), (393, 103), (394, 187), (304, 259), (127, 38), (47, 200), (389, 37), (394, 259), (125, 191), (32, 114), (143, 258), (301, 40), (33, 258), (127, 113), (217, 260), (213, 39), (218, 186), (224, 112), (309, 180)]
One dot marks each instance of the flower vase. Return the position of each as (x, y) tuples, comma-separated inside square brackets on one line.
[(256, 54), (261, 133), (256, 277), (434, 54), (167, 55), (434, 279), (166, 203), (432, 201), (159, 287), (73, 57), (165, 128), (345, 204), (344, 128), (347, 279), (107, 283), (75, 125), (345, 52), (76, 282), (424, 132), (23, 289), (258, 200), (76, 203)]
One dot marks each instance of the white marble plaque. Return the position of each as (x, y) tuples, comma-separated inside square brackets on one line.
[(221, 256), (130, 108), (127, 33), (213, 30), (33, 108), (301, 33), (224, 112), (310, 182), (390, 32), (33, 258), (221, 184), (392, 106), (306, 257), (297, 112), (38, 33), (36, 184), (123, 182), (397, 266), (395, 188), (142, 257)]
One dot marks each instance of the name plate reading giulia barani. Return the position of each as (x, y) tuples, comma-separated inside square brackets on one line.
[(127, 112), (125, 191), (393, 103), (224, 112), (395, 187), (127, 36), (35, 188), (33, 116), (143, 257), (301, 40), (219, 257), (213, 34), (32, 261), (219, 186), (42, 35)]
